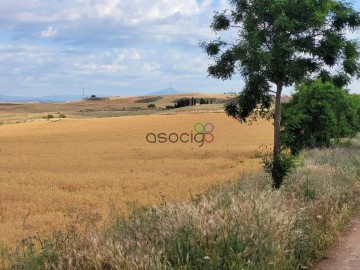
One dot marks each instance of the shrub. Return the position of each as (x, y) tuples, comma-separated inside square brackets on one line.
[(62, 115), (279, 168), (151, 106), (318, 113), (203, 101), (49, 116)]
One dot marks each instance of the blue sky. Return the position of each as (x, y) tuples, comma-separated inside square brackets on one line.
[(109, 47)]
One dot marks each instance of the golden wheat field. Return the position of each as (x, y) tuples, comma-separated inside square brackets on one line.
[(54, 173)]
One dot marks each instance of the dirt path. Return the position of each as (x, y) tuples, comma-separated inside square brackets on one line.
[(346, 254)]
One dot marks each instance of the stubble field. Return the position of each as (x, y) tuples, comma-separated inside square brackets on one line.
[(73, 171)]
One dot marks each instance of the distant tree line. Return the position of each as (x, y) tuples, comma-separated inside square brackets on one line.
[(191, 102)]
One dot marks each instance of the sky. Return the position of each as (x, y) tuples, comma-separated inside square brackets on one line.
[(109, 47)]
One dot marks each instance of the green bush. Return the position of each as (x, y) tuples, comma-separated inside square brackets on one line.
[(317, 114), (151, 106), (279, 168), (62, 115)]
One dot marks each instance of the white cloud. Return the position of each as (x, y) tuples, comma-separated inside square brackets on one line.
[(39, 67), (117, 45), (147, 67), (136, 55), (50, 32), (80, 20)]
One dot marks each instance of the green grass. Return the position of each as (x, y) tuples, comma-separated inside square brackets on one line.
[(242, 225)]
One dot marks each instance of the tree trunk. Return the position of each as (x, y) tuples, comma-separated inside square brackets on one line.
[(277, 120)]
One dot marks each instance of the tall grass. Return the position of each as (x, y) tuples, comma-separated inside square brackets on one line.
[(242, 225)]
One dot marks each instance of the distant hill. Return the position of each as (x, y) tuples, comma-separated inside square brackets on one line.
[(60, 98), (168, 91), (64, 98)]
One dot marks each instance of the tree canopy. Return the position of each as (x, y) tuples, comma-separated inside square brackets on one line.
[(282, 42), (317, 113)]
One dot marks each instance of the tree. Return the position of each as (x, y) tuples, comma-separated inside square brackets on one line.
[(182, 103), (202, 101), (317, 113), (282, 42), (354, 101)]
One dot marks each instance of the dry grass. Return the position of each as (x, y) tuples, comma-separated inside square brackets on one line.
[(53, 173), (243, 225)]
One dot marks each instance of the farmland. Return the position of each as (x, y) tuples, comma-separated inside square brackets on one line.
[(105, 107), (64, 171)]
